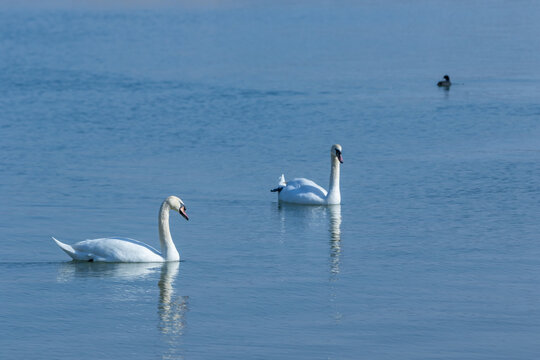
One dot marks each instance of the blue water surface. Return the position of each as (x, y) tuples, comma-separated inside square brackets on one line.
[(106, 108)]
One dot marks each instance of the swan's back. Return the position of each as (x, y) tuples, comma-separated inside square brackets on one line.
[(114, 249), (303, 191)]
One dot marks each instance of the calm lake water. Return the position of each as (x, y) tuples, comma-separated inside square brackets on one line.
[(433, 254)]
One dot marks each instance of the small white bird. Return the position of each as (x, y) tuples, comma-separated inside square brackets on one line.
[(128, 250), (306, 192)]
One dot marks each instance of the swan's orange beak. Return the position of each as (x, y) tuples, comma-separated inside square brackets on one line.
[(182, 212)]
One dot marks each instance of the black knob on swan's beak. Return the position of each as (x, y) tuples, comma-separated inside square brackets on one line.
[(338, 155)]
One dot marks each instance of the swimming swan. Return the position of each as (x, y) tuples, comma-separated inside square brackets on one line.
[(306, 192), (128, 250)]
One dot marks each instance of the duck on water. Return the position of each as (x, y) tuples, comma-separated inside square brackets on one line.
[(445, 83)]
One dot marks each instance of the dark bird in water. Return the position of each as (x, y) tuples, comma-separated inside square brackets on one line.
[(446, 82)]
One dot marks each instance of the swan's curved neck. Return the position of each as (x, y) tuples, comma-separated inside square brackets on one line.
[(334, 196), (168, 250)]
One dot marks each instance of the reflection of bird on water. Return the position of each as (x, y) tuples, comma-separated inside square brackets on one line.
[(335, 237), (171, 309), (312, 218), (130, 271)]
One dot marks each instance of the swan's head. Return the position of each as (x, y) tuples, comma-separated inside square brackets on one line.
[(336, 152), (177, 204)]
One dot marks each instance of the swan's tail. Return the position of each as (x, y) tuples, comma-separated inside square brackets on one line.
[(67, 248), (281, 184)]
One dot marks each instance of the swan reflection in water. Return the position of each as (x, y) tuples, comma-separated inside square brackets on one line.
[(172, 311), (311, 217), (171, 308), (335, 237), (68, 271)]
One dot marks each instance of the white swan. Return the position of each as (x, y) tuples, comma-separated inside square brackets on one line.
[(129, 250), (306, 192)]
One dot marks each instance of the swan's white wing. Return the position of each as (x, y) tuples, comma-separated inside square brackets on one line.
[(115, 250), (303, 191)]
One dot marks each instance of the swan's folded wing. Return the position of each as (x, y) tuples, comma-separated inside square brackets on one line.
[(118, 250), (306, 185), (303, 191)]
